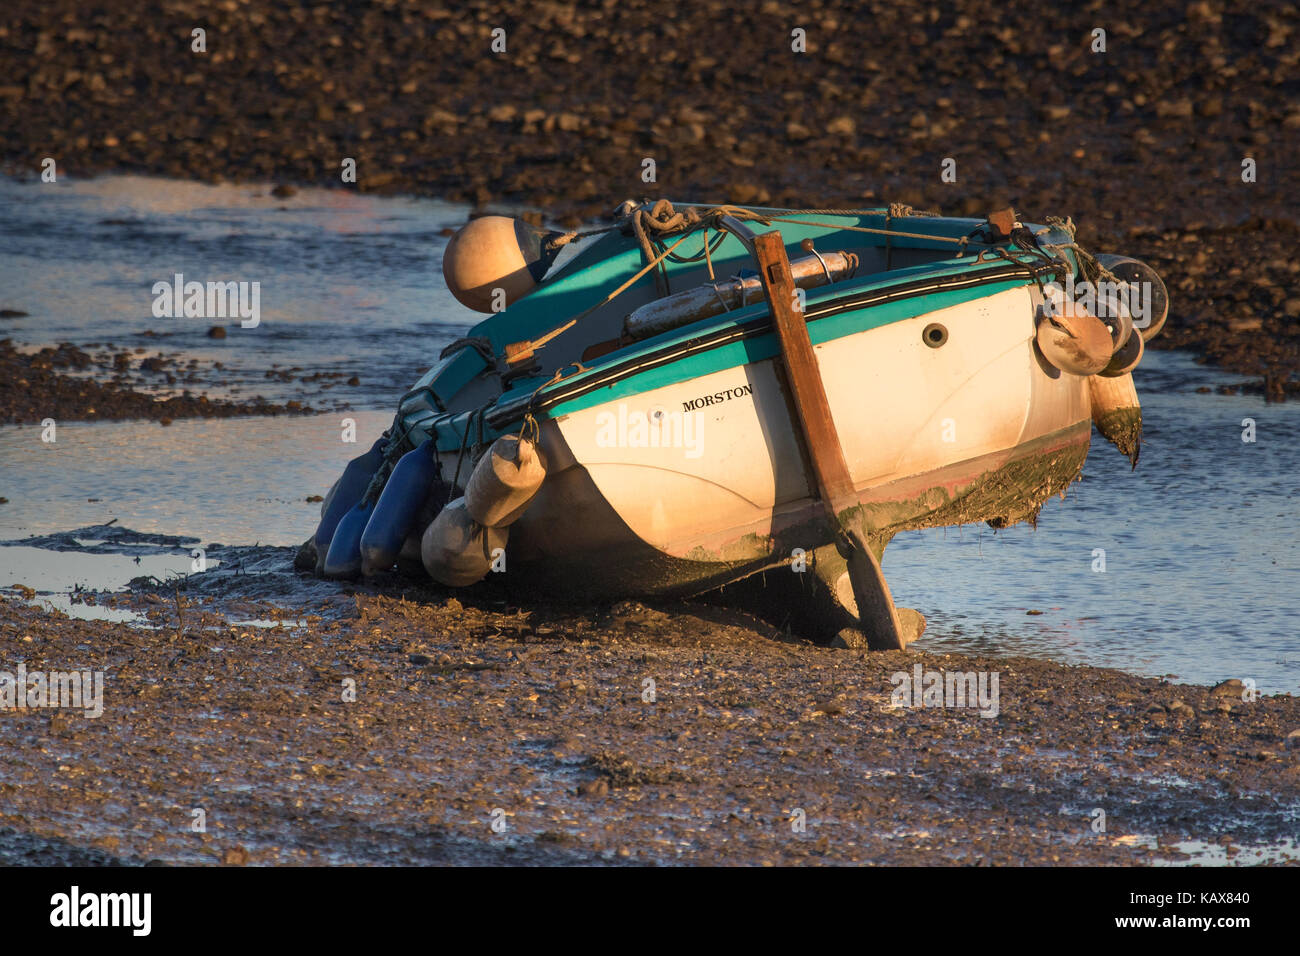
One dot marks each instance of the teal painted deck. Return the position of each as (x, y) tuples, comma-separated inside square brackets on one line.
[(609, 261)]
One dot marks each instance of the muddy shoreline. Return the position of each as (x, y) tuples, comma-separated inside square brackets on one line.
[(1142, 143), (114, 383), (231, 699)]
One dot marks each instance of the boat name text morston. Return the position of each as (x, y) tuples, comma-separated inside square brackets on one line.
[(717, 398)]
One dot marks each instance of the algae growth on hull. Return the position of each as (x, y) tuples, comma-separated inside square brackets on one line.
[(1002, 489), (1123, 429)]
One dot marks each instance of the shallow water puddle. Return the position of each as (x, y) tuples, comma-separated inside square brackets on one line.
[(1201, 853), (346, 280), (62, 572), (65, 605), (72, 574), (236, 481)]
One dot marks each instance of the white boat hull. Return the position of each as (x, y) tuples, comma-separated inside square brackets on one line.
[(680, 486)]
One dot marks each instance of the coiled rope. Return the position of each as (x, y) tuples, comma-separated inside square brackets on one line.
[(1089, 267)]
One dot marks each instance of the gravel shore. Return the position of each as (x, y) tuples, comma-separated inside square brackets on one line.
[(668, 733), (1143, 144), (113, 383)]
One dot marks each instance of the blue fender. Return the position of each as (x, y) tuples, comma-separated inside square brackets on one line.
[(344, 557), (396, 511), (352, 485)]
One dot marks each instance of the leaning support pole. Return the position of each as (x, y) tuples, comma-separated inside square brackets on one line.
[(875, 604)]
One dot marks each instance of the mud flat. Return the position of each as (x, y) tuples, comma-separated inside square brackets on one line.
[(68, 383), (228, 694)]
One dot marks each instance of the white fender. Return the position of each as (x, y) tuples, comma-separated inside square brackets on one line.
[(504, 481), (457, 550)]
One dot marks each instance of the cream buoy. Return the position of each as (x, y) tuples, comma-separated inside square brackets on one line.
[(458, 551), (496, 252), (1074, 340), (1117, 413), (504, 481)]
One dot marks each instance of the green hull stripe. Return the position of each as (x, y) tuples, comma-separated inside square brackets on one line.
[(765, 347)]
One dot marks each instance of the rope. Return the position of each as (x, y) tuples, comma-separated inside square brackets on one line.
[(399, 443), (895, 210), (530, 430), (706, 250), (481, 413), (880, 232), (557, 377), (1033, 273), (620, 290), (656, 222), (1089, 267), (392, 451), (479, 343), (558, 241), (889, 241)]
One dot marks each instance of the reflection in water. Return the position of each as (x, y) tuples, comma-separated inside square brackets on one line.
[(66, 571), (233, 481)]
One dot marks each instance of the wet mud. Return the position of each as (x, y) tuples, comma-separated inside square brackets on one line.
[(69, 383), (665, 733)]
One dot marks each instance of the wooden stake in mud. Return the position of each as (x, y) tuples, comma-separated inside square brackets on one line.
[(875, 604), (1117, 413)]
